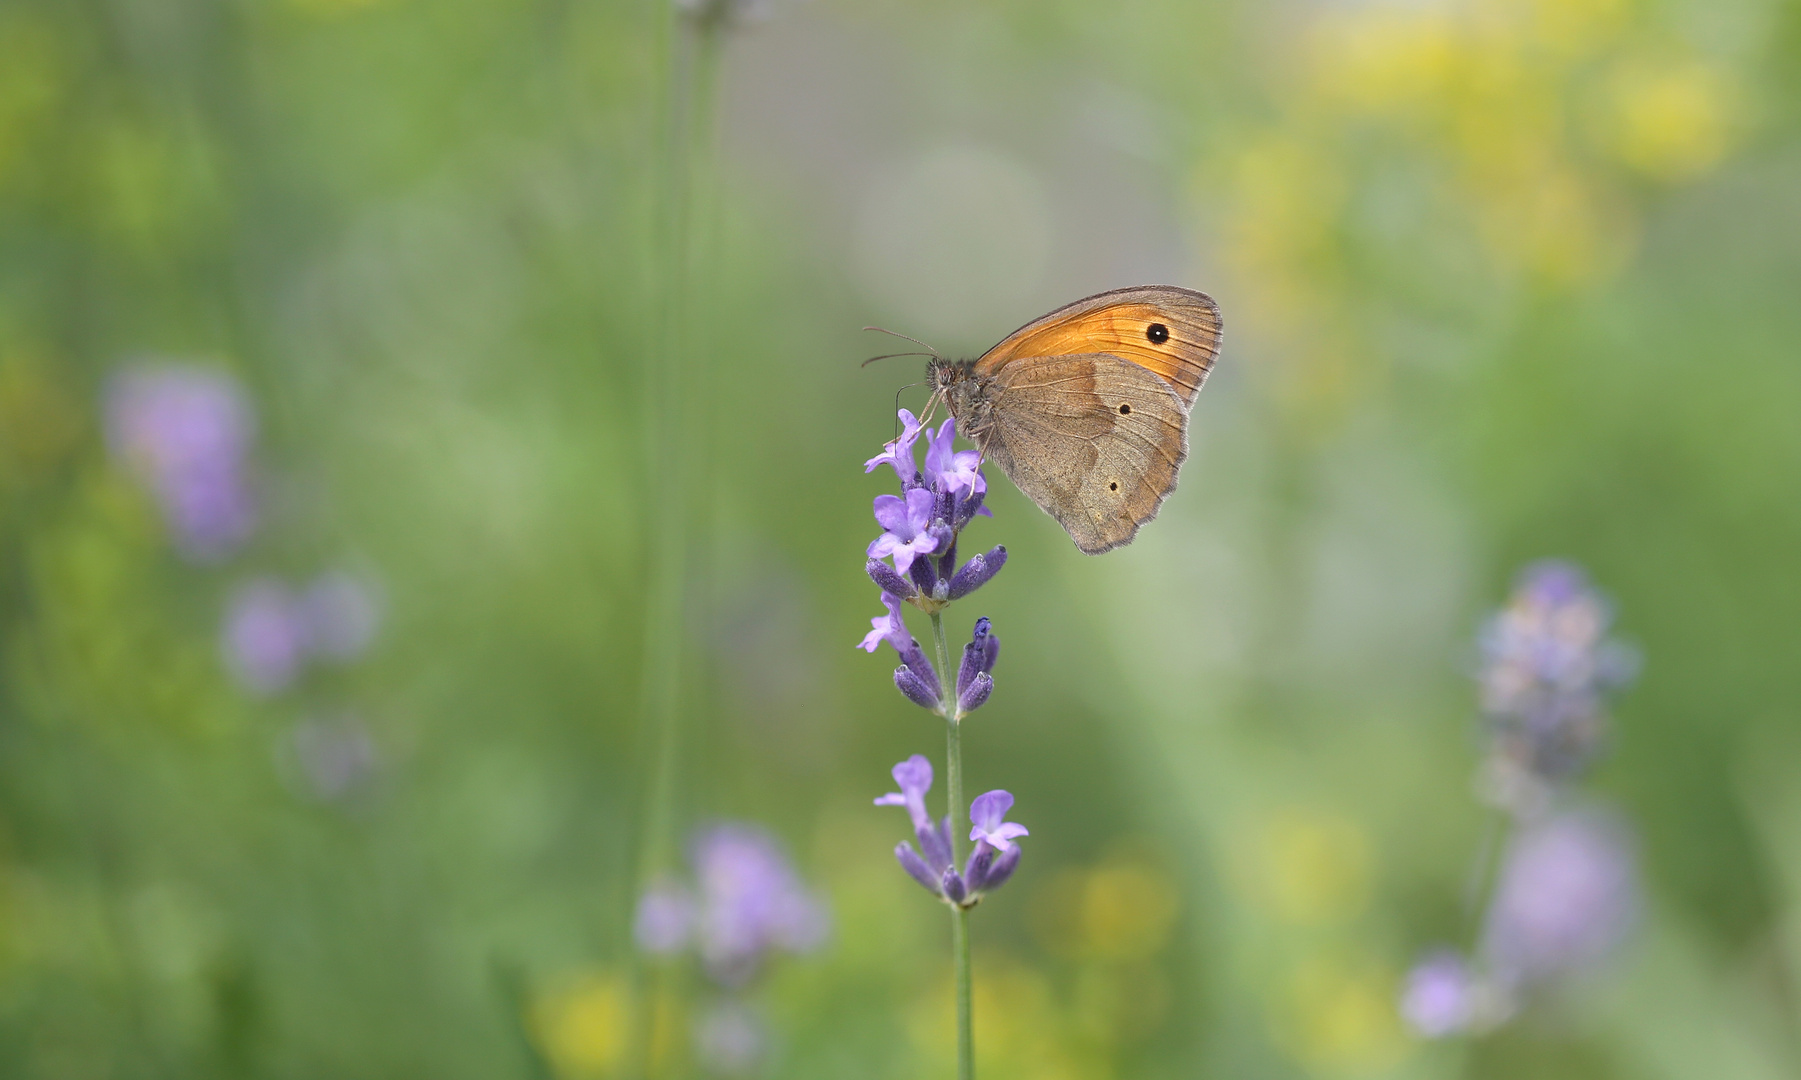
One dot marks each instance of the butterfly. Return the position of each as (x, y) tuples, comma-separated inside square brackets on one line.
[(1086, 409)]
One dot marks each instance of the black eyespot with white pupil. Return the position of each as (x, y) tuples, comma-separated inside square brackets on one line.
[(1157, 333)]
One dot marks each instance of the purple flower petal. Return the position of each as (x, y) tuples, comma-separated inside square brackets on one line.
[(890, 628), (914, 778), (899, 453), (987, 822)]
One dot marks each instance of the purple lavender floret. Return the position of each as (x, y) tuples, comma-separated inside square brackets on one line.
[(187, 431), (1548, 665), (1567, 894), (908, 521), (916, 678), (899, 453), (990, 863)]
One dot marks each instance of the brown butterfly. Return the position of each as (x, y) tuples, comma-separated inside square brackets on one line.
[(1086, 409)]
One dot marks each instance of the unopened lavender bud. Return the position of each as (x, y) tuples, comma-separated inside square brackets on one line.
[(1001, 869), (976, 572), (976, 870), (890, 580), (915, 866), (935, 843), (915, 658), (915, 688), (976, 695), (978, 657), (968, 508), (951, 885), (924, 574)]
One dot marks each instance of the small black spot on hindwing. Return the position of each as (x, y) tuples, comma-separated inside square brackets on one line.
[(1114, 486), (1125, 410)]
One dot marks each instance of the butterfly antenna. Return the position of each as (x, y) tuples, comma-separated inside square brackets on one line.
[(929, 350), (892, 355)]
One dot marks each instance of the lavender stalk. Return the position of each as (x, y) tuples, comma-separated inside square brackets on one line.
[(921, 526)]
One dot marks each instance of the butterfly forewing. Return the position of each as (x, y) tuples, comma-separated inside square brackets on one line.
[(1171, 331), (1094, 440)]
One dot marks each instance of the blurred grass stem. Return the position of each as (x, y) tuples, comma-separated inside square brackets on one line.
[(953, 767), (678, 412)]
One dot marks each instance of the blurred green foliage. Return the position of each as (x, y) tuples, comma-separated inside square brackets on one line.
[(1501, 280)]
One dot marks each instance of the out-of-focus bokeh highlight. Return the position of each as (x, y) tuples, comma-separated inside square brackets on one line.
[(329, 476)]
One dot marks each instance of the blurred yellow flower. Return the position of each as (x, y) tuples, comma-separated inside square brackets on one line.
[(1020, 1032), (1336, 1015), (1307, 867), (1669, 121), (1117, 911), (584, 1028)]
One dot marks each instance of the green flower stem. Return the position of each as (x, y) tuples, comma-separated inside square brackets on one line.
[(679, 416), (953, 767)]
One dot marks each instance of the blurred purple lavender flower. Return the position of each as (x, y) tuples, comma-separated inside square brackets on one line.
[(265, 637), (187, 431), (665, 919), (272, 631), (341, 612), (748, 903), (1547, 668), (990, 863), (1566, 896), (1440, 995), (731, 1039), (336, 758)]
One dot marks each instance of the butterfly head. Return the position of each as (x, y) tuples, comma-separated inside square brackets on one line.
[(965, 393)]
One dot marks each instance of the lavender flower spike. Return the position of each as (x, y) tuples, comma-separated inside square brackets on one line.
[(987, 820), (187, 432)]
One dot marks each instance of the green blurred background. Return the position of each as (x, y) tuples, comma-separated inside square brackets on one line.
[(1502, 279)]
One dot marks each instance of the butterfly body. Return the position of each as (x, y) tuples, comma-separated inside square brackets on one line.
[(1086, 409)]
